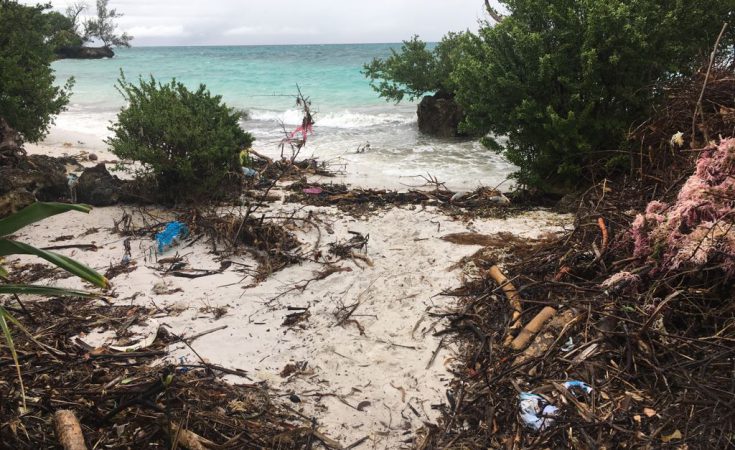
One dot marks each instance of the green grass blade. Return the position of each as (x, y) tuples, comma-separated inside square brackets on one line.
[(34, 213), (47, 291), (9, 340), (8, 247)]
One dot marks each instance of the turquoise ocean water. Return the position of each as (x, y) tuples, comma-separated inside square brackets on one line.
[(262, 80)]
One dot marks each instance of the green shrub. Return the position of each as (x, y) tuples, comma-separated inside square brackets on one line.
[(188, 141), (416, 70), (28, 97), (565, 80)]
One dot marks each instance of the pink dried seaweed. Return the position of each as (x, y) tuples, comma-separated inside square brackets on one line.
[(697, 230)]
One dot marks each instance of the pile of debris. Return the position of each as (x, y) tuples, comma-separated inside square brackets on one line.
[(616, 335), (482, 201), (117, 398)]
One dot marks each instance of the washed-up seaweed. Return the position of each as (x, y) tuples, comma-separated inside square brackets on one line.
[(126, 400), (483, 202), (625, 332)]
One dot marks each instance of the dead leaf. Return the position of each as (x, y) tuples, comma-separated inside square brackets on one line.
[(649, 412), (675, 436)]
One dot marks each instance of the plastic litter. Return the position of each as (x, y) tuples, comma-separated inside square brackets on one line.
[(458, 196), (172, 234), (313, 191), (568, 346), (72, 181), (536, 412), (143, 343), (249, 173), (575, 384)]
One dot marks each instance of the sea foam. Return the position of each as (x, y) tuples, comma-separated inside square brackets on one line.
[(342, 119)]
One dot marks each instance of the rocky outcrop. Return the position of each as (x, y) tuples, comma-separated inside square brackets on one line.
[(97, 187), (10, 144), (84, 52), (439, 115), (32, 178)]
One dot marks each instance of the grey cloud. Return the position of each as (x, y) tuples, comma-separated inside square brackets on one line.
[(231, 22)]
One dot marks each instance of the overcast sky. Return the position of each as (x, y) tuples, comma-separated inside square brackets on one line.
[(250, 22)]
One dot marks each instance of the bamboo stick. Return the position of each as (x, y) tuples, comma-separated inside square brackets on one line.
[(513, 297), (532, 328), (68, 430)]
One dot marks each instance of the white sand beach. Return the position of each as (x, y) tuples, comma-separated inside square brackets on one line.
[(375, 374)]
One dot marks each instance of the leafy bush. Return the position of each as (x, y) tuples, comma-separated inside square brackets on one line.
[(415, 70), (189, 141), (28, 97), (564, 81)]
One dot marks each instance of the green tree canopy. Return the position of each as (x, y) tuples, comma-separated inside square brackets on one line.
[(104, 28), (28, 97), (416, 70), (564, 80)]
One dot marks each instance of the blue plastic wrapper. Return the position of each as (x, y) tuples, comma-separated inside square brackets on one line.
[(248, 172), (578, 385), (536, 412), (174, 232)]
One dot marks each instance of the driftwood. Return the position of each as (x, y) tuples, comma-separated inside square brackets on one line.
[(188, 439), (68, 430), (261, 156), (533, 327), (513, 297), (553, 332)]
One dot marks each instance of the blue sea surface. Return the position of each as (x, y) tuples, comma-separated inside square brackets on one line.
[(262, 80)]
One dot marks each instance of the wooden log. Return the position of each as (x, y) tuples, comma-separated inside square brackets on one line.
[(513, 297), (68, 430), (554, 331), (260, 155), (534, 326), (189, 439)]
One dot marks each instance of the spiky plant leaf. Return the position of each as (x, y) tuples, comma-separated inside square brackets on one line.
[(48, 291), (9, 341), (8, 247), (34, 213)]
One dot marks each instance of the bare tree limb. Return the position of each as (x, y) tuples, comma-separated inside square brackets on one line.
[(698, 107), (493, 13)]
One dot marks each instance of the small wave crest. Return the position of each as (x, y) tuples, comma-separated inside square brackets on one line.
[(344, 119)]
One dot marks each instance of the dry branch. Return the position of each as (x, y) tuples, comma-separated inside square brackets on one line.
[(513, 297), (533, 327), (68, 430)]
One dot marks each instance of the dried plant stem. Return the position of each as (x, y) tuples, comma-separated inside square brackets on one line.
[(513, 297), (698, 108)]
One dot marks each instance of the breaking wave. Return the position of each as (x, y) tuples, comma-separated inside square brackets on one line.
[(344, 119)]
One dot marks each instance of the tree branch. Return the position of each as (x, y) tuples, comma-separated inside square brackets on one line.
[(493, 13)]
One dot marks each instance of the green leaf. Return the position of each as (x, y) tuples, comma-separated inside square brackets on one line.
[(42, 290), (8, 247), (9, 340), (34, 213)]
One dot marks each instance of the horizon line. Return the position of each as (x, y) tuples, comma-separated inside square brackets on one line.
[(264, 45)]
